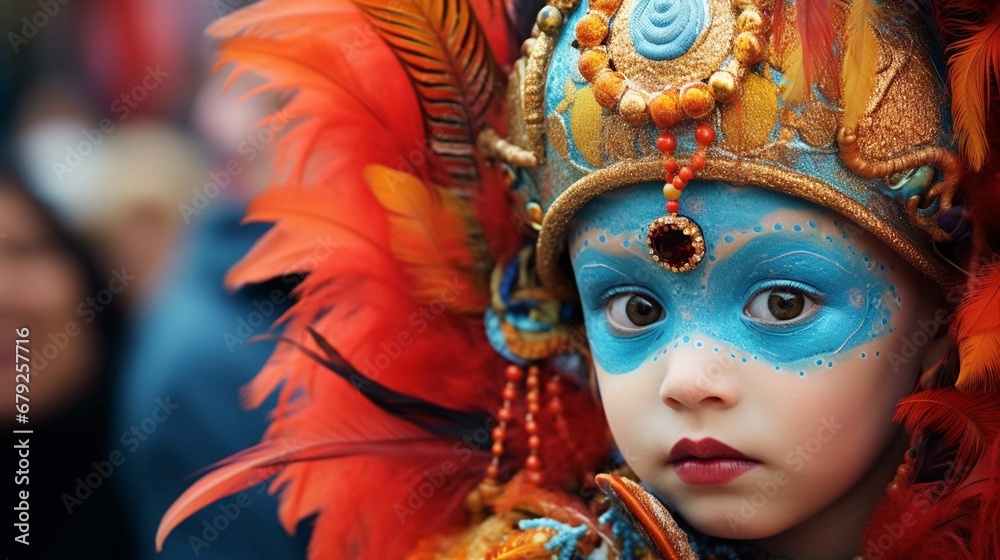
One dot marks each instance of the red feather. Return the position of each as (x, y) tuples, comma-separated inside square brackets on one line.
[(816, 40), (953, 518)]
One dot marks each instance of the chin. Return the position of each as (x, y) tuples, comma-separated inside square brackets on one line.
[(733, 518)]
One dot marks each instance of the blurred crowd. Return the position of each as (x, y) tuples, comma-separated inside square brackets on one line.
[(125, 165)]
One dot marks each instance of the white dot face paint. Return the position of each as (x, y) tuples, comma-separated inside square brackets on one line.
[(755, 393)]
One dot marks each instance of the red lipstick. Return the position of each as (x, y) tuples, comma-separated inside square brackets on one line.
[(708, 461)]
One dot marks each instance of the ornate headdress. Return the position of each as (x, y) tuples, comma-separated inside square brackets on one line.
[(432, 374)]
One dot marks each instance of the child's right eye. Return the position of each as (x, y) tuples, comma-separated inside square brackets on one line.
[(631, 313)]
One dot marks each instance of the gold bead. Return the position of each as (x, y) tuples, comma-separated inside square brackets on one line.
[(665, 109), (549, 19), (748, 48), (671, 192), (723, 86), (697, 100), (752, 21), (565, 6), (633, 107)]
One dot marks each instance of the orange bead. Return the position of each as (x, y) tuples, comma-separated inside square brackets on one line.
[(678, 183), (533, 463), (665, 109), (697, 100), (686, 173), (608, 89), (606, 7), (509, 393), (698, 162), (670, 165), (499, 433), (555, 406), (497, 449), (532, 383), (531, 427), (492, 471), (591, 30), (591, 62), (532, 396), (533, 407), (534, 442), (513, 373), (534, 477), (505, 415)]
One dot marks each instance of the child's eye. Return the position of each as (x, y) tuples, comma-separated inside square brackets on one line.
[(631, 312), (779, 305)]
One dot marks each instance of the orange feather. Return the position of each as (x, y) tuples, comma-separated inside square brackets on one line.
[(432, 232), (977, 332), (973, 69), (971, 422), (860, 61)]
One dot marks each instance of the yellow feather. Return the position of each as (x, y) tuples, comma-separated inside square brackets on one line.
[(860, 62), (430, 235), (794, 86)]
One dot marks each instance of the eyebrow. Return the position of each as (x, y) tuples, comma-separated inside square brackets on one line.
[(602, 265), (812, 254)]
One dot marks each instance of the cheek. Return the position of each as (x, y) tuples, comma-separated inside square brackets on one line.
[(632, 407)]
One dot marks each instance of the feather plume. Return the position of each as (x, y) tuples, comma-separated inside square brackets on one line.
[(973, 71), (432, 234), (977, 331), (814, 56), (951, 515), (971, 422), (453, 72), (860, 61)]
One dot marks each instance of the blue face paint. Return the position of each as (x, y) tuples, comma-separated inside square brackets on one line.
[(750, 252)]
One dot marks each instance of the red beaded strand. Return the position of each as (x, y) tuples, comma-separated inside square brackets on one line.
[(513, 375), (675, 176), (533, 464)]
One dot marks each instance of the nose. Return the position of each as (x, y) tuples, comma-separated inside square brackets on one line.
[(699, 378)]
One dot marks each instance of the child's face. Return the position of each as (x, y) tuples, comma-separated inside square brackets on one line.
[(790, 344)]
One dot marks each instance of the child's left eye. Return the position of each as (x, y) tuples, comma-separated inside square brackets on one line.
[(780, 305)]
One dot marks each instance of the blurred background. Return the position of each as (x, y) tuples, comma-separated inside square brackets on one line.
[(125, 166)]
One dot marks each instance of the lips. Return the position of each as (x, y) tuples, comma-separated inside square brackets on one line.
[(708, 462)]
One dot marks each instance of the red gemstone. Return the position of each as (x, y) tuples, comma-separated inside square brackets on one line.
[(673, 206), (686, 174), (667, 142), (670, 165), (678, 183), (704, 135), (673, 246)]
